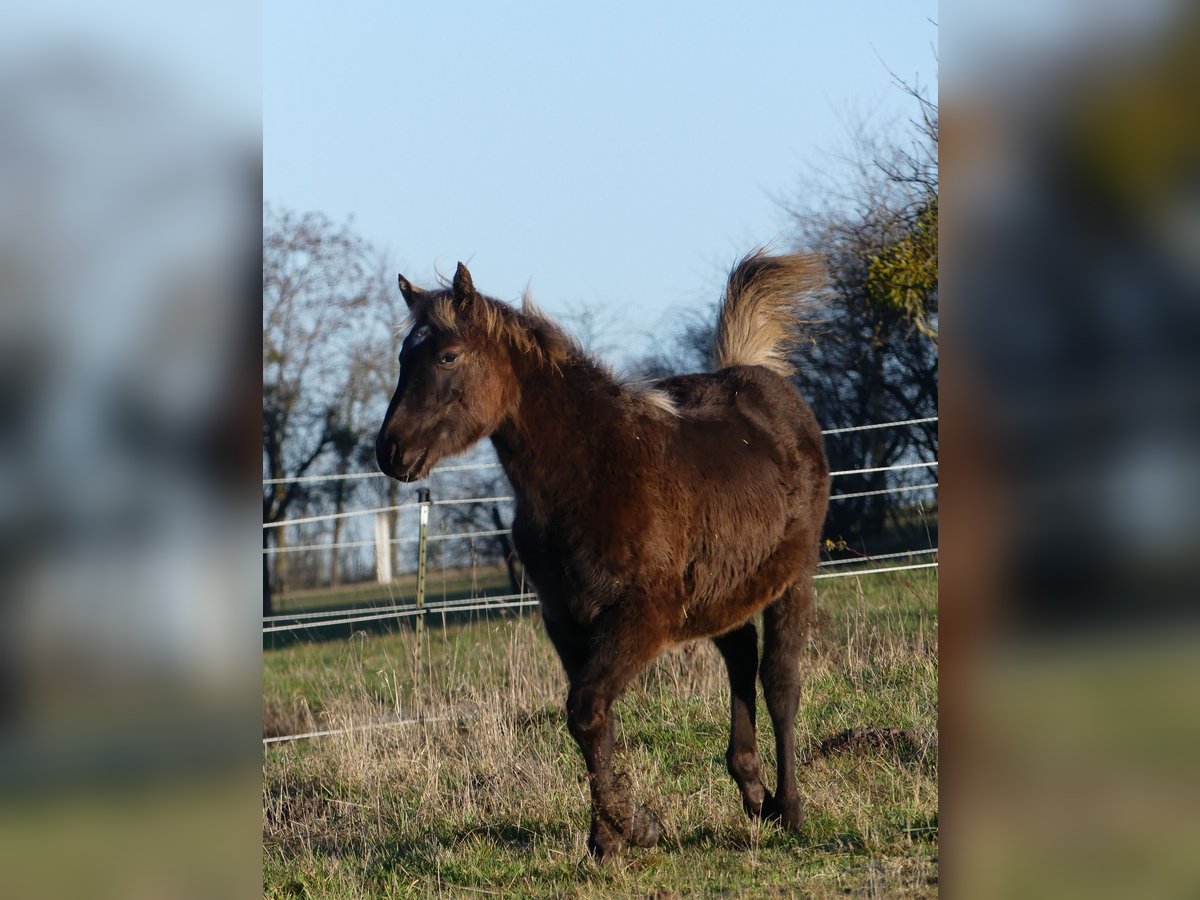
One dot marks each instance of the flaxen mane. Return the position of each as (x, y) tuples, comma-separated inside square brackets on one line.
[(530, 332)]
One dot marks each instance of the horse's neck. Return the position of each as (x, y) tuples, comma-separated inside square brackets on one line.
[(548, 447)]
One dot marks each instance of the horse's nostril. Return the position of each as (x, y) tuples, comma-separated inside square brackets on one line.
[(392, 453)]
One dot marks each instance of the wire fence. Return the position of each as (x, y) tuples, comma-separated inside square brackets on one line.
[(334, 547), (469, 467), (315, 621), (321, 619), (509, 498)]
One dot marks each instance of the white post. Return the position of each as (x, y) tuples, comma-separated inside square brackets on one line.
[(383, 552), (423, 499)]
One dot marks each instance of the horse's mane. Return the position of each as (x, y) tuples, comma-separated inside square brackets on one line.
[(530, 332)]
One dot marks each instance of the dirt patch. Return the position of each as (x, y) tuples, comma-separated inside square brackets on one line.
[(904, 743)]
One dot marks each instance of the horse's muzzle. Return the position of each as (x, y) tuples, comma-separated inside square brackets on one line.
[(402, 464)]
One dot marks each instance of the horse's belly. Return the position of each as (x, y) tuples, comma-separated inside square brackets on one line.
[(732, 592)]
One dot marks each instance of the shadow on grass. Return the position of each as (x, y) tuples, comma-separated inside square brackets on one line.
[(515, 857), (769, 837), (440, 854), (554, 716), (708, 838)]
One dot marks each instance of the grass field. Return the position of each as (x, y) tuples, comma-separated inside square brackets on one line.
[(490, 799)]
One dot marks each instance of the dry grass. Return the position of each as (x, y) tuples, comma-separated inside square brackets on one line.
[(495, 801)]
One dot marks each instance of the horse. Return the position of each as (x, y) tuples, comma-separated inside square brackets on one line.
[(647, 515)]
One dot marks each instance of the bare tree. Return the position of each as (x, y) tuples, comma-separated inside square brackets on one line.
[(315, 290), (378, 370), (873, 354), (874, 358), (372, 369)]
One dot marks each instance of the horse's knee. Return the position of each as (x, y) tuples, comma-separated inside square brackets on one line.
[(586, 714)]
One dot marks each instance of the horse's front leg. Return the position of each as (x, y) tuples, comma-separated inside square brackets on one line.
[(614, 657)]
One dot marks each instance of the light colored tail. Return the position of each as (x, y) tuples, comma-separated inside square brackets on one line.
[(761, 310)]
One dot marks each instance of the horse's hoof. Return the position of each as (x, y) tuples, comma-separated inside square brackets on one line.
[(602, 852), (787, 813), (753, 800), (604, 842), (644, 827)]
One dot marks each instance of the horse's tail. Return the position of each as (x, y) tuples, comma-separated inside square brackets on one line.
[(760, 312)]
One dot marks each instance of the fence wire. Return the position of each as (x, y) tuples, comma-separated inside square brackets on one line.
[(508, 498), (319, 619), (468, 467), (325, 618)]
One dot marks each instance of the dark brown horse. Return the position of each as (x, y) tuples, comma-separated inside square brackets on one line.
[(645, 516)]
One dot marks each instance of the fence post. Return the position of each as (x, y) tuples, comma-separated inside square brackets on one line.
[(424, 504), (383, 549)]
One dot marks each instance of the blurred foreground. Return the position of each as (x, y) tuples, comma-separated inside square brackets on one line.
[(1071, 484), (129, 432)]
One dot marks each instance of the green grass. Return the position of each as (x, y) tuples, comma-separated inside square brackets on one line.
[(497, 803)]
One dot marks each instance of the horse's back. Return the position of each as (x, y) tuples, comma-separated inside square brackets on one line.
[(741, 424)]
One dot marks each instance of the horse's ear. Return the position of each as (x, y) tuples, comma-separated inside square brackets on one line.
[(410, 291), (464, 288)]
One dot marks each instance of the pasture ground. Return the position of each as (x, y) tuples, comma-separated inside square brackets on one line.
[(489, 797)]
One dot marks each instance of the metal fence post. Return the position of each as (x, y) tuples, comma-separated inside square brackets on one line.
[(424, 502)]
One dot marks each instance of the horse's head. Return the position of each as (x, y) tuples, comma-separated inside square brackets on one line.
[(457, 382)]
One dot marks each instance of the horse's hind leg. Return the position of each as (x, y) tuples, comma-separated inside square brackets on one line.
[(740, 651), (784, 633)]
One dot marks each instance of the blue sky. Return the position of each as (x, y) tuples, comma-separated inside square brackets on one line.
[(619, 156)]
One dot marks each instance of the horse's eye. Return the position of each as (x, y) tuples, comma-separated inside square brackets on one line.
[(447, 359)]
